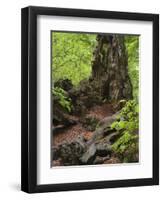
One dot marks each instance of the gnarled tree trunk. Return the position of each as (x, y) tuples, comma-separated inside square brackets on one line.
[(110, 68)]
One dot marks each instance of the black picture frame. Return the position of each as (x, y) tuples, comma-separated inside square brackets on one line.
[(29, 99)]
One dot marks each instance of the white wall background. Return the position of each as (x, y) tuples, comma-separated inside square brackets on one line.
[(10, 79)]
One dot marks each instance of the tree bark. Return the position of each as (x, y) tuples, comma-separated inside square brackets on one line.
[(110, 68)]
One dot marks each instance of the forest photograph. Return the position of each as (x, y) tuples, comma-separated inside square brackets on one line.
[(94, 98)]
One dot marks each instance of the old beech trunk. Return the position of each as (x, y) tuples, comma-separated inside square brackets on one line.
[(110, 68)]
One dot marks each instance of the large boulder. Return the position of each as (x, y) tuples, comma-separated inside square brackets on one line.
[(70, 153)]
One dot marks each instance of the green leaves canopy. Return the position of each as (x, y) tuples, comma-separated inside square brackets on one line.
[(72, 55)]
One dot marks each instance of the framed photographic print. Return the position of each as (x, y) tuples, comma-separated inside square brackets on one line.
[(90, 99)]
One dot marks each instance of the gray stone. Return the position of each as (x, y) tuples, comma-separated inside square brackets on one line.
[(103, 149), (70, 153), (104, 128), (89, 155)]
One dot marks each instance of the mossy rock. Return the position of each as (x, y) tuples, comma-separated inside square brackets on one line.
[(90, 123)]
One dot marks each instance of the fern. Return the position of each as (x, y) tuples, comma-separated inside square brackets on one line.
[(127, 123), (62, 98)]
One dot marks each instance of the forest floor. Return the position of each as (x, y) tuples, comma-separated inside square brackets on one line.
[(72, 132)]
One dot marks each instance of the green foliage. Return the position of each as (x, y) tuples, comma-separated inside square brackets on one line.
[(126, 147), (132, 44), (72, 55), (128, 118), (127, 124), (62, 98)]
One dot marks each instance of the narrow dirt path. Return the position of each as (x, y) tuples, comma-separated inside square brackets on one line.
[(101, 112), (71, 133)]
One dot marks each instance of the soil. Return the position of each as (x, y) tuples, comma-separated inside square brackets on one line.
[(71, 133)]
